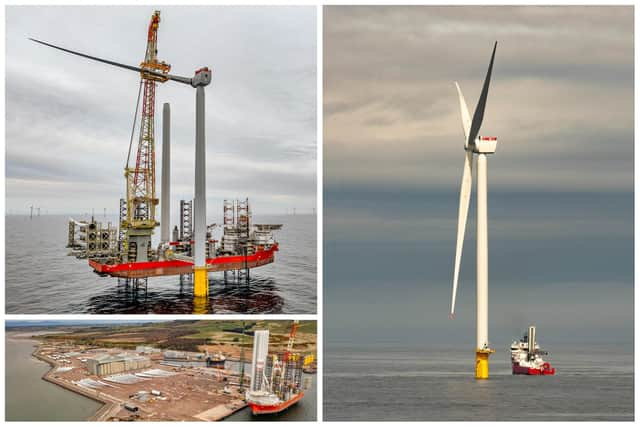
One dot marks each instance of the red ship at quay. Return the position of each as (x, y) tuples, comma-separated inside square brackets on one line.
[(526, 356), (276, 380)]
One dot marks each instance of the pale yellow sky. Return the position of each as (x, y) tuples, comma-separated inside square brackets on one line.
[(560, 102)]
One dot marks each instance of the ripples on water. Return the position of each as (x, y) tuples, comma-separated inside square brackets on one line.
[(590, 384), (42, 279)]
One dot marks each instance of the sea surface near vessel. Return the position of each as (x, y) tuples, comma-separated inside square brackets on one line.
[(437, 384), (30, 398), (42, 279)]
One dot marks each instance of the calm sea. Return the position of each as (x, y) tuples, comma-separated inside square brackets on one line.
[(383, 384), (30, 398), (42, 279), (562, 261)]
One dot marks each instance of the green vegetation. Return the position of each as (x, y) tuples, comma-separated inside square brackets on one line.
[(181, 334)]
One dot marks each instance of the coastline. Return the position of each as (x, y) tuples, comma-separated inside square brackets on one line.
[(111, 405)]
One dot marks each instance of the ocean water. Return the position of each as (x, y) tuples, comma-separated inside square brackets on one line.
[(29, 398), (42, 279), (562, 261), (592, 383)]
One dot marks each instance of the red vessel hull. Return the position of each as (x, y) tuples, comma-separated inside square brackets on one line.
[(274, 409), (523, 370), (175, 267)]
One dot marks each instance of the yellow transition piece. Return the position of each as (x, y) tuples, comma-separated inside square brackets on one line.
[(200, 282), (482, 363)]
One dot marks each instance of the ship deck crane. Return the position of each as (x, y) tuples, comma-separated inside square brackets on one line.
[(143, 207), (292, 337), (140, 180)]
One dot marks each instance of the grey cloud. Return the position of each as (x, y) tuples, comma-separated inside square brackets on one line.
[(561, 98), (69, 120)]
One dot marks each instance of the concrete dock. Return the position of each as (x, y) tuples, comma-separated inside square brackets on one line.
[(189, 394)]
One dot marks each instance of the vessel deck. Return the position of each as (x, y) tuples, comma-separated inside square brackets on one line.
[(176, 267)]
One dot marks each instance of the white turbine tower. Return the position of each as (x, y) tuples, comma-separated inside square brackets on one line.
[(481, 146)]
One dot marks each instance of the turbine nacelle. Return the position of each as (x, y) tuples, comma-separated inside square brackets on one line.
[(202, 77), (483, 145)]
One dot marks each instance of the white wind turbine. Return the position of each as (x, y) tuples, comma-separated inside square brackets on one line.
[(481, 146)]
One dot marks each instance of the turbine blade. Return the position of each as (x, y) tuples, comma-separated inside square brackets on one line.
[(478, 115), (463, 209), (117, 64), (464, 115)]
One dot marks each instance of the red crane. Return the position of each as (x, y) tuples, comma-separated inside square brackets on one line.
[(140, 180), (292, 336)]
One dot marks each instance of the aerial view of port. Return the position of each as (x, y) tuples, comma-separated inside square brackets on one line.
[(149, 174), (200, 370), (497, 200)]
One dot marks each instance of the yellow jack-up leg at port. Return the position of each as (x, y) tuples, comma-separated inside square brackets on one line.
[(200, 282), (482, 363)]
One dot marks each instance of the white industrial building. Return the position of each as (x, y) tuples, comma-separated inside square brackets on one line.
[(107, 364)]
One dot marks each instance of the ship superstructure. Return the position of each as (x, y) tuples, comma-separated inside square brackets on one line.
[(276, 380), (526, 356), (135, 257), (241, 246)]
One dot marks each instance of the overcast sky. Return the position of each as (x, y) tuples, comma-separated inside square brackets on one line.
[(69, 120), (560, 184), (560, 103)]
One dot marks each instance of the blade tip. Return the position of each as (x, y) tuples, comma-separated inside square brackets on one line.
[(452, 315)]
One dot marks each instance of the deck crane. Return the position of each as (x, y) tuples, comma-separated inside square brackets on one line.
[(141, 216), (140, 180), (280, 366), (292, 337), (141, 200)]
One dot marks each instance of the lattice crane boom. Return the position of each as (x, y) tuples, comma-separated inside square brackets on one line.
[(141, 193), (139, 220), (292, 337)]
